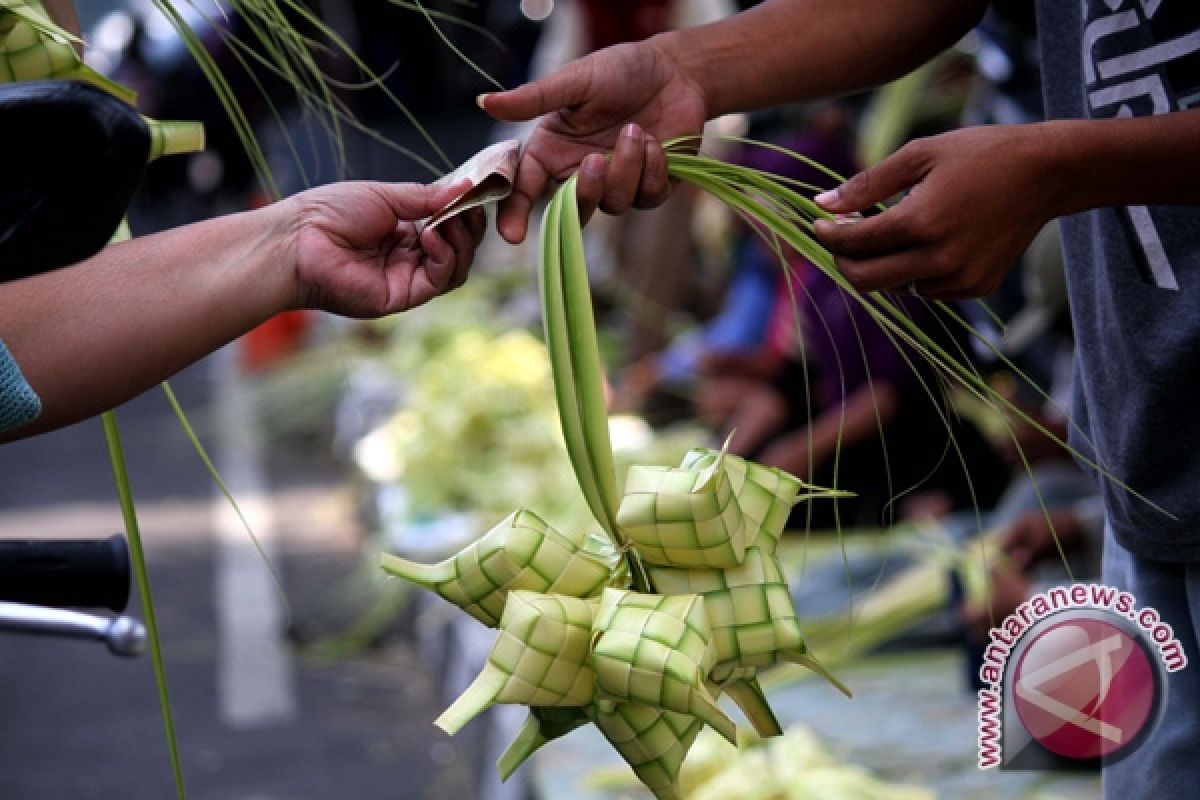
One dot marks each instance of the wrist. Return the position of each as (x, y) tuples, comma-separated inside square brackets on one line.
[(1118, 162), (277, 253), (686, 58), (1062, 166)]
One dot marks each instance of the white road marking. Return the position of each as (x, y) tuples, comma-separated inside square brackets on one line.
[(255, 675)]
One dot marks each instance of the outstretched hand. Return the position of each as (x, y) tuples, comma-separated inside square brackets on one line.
[(1032, 536), (976, 199), (358, 249), (625, 99)]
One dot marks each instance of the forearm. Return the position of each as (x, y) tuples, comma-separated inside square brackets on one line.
[(1117, 162), (93, 335), (795, 50), (862, 415)]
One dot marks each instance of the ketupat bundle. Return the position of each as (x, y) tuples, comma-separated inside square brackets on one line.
[(578, 645), (700, 538), (700, 608)]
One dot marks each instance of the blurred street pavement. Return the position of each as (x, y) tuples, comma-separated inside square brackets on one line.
[(256, 719)]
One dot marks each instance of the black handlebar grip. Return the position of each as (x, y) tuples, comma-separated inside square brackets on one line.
[(91, 573)]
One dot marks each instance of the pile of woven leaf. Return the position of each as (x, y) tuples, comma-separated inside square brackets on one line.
[(640, 646), (795, 766)]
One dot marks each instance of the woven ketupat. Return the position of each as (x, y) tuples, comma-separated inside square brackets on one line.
[(522, 552), (540, 658), (652, 741), (749, 608), (765, 495), (30, 54), (33, 48), (683, 517), (656, 650), (750, 614)]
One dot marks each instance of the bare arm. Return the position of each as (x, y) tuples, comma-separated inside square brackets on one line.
[(626, 99), (978, 196), (862, 414), (786, 51), (93, 335)]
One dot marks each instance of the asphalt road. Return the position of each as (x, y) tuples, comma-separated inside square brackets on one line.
[(78, 723)]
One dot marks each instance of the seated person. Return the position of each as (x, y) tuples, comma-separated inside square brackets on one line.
[(833, 400)]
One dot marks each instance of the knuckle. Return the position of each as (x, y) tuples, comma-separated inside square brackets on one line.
[(616, 202), (852, 271), (858, 185), (943, 263), (915, 152), (923, 224)]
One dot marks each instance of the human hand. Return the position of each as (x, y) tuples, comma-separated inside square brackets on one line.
[(1007, 590), (976, 199), (356, 249), (1031, 537), (1025, 442), (624, 99)]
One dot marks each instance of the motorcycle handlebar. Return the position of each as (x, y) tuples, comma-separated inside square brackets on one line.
[(91, 573)]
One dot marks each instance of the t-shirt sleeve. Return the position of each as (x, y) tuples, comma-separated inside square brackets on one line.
[(19, 404)]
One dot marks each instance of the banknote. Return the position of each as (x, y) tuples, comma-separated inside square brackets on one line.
[(491, 173)]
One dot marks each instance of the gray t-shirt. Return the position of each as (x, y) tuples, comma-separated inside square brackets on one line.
[(1134, 273)]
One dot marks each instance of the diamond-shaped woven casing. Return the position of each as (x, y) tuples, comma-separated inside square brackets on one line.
[(682, 517), (764, 494), (27, 54), (522, 552), (540, 658), (653, 741), (749, 608), (655, 649)]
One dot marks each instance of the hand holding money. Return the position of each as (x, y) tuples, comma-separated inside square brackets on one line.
[(490, 175)]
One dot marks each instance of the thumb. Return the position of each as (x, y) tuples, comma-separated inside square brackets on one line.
[(887, 178), (414, 201), (561, 89)]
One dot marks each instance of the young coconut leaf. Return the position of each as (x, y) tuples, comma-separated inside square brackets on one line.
[(653, 742), (543, 725), (683, 517), (656, 650), (520, 553), (541, 658)]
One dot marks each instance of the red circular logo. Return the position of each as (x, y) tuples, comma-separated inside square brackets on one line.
[(1084, 688)]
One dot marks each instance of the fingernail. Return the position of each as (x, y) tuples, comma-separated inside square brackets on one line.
[(632, 131), (826, 198), (481, 99), (594, 165)]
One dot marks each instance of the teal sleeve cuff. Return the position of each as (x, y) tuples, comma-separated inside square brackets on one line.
[(19, 404)]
